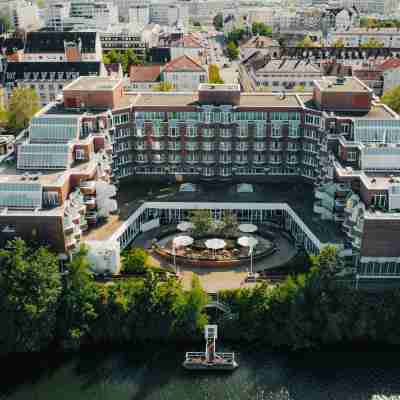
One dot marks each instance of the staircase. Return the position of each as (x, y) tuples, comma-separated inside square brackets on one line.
[(214, 302)]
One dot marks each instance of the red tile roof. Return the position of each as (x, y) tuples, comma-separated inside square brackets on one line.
[(187, 41), (145, 73), (184, 63), (390, 63)]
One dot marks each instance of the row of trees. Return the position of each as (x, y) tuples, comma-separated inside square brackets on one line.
[(22, 106), (38, 307), (371, 23)]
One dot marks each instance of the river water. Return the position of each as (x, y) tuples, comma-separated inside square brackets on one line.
[(156, 374)]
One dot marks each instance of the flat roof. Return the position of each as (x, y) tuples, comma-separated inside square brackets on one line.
[(349, 84), (166, 99), (93, 83), (269, 100)]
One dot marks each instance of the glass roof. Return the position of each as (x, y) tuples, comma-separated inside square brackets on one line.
[(20, 194), (44, 156), (52, 129)]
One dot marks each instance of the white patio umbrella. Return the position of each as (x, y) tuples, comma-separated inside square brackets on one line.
[(250, 242), (180, 241), (215, 244), (247, 228), (185, 226)]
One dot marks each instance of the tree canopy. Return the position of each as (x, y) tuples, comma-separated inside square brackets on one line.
[(5, 23), (214, 75), (218, 21), (163, 87), (372, 43), (125, 58), (236, 35), (23, 105), (233, 50), (392, 98), (307, 42), (259, 28), (30, 289)]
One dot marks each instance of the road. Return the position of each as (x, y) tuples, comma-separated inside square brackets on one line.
[(215, 55)]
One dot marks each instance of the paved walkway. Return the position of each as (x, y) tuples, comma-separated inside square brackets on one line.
[(215, 279)]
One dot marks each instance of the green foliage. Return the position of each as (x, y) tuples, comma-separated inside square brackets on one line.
[(23, 105), (233, 50), (372, 43), (338, 43), (259, 28), (299, 88), (373, 23), (163, 87), (392, 98), (229, 223), (327, 261), (213, 74), (236, 35), (126, 58), (135, 260), (202, 222), (218, 22), (5, 23), (30, 287), (306, 42)]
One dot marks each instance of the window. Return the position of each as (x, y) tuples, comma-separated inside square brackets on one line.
[(226, 133), (191, 131), (276, 130), (352, 156), (173, 132)]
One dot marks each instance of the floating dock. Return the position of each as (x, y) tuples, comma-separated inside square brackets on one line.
[(210, 359)]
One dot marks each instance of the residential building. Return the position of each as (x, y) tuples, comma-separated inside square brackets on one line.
[(24, 15), (368, 7), (181, 45), (56, 14), (185, 73), (355, 37), (371, 74), (62, 46), (144, 78), (139, 15), (48, 79), (262, 44), (391, 73), (259, 73), (59, 184), (121, 39), (338, 137)]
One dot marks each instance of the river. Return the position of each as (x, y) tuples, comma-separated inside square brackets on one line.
[(156, 374)]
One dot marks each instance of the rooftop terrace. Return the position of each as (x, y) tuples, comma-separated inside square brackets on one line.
[(93, 83), (348, 84)]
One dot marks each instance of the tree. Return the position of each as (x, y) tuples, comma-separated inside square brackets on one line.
[(218, 22), (230, 223), (372, 43), (163, 87), (135, 260), (202, 222), (392, 98), (327, 261), (129, 58), (338, 43), (306, 42), (5, 24), (213, 74), (77, 309), (24, 104), (299, 88), (233, 51), (259, 28), (30, 288), (236, 35)]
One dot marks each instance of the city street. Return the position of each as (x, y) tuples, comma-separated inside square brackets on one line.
[(215, 55)]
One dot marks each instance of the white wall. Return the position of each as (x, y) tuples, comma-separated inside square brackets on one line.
[(185, 81)]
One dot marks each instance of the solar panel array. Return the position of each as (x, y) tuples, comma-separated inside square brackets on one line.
[(44, 156), (20, 194), (48, 129)]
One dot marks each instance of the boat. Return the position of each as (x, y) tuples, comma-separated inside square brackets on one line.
[(210, 359)]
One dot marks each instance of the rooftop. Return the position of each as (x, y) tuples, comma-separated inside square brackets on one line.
[(348, 84), (260, 42), (289, 66), (93, 83), (145, 73), (54, 42), (184, 64)]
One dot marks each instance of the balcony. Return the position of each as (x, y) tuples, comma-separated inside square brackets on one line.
[(259, 162), (69, 226), (241, 162)]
